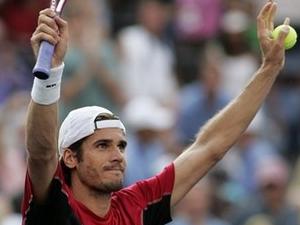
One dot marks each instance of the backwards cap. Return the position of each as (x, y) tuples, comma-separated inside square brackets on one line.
[(81, 123)]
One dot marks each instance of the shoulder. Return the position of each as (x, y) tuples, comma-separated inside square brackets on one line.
[(148, 199), (150, 189), (55, 207)]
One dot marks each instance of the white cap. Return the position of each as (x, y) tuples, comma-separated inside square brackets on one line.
[(80, 123), (235, 21), (146, 113)]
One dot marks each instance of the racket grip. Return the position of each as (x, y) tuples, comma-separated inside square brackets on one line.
[(42, 67)]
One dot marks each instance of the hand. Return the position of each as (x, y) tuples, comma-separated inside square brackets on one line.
[(273, 50), (53, 29)]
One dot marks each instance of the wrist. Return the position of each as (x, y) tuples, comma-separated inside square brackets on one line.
[(56, 63), (271, 67), (46, 92), (272, 64)]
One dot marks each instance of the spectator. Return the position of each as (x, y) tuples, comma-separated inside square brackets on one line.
[(285, 93), (92, 60), (195, 207), (196, 20), (272, 181), (14, 73), (201, 99), (147, 61), (13, 168), (244, 158), (239, 62), (146, 154)]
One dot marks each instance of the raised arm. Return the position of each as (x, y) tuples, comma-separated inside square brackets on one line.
[(42, 119), (222, 131)]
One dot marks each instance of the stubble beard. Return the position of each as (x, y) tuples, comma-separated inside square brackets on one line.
[(99, 186), (109, 187), (91, 178)]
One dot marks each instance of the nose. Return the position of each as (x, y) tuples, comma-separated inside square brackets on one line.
[(117, 155)]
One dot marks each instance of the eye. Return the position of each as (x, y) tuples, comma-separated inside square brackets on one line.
[(122, 146), (102, 145)]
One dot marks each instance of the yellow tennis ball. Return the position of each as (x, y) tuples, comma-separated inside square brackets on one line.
[(291, 38)]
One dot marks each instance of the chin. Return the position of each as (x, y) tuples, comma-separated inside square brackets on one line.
[(113, 186), (118, 186), (110, 185)]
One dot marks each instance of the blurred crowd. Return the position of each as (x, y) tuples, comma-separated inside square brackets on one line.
[(165, 67)]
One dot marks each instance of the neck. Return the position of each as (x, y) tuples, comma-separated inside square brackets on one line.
[(97, 202)]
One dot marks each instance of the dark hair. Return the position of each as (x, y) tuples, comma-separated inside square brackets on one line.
[(77, 147), (106, 116)]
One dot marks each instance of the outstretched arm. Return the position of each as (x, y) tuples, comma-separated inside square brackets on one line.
[(222, 131), (42, 119)]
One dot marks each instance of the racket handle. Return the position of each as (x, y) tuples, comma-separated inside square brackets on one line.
[(42, 67)]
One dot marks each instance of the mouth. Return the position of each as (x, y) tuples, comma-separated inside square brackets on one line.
[(115, 173), (115, 169)]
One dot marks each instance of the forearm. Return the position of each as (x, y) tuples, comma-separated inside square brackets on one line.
[(42, 120), (224, 129), (217, 136), (41, 131), (41, 141)]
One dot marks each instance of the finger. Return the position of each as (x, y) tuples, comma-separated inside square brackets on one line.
[(48, 12), (39, 37), (283, 33), (62, 25), (272, 14), (44, 19), (44, 28), (265, 9), (286, 21), (261, 18)]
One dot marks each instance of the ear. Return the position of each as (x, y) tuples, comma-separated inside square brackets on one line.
[(70, 158)]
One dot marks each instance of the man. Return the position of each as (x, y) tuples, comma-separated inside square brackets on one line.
[(145, 45), (84, 184), (271, 176)]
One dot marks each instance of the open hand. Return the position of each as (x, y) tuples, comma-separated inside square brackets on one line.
[(273, 50)]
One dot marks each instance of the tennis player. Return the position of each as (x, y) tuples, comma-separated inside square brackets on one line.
[(75, 176)]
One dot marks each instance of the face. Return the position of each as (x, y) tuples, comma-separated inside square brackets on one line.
[(102, 164), (273, 192), (153, 15)]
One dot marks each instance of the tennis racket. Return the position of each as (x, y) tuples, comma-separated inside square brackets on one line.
[(42, 67)]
